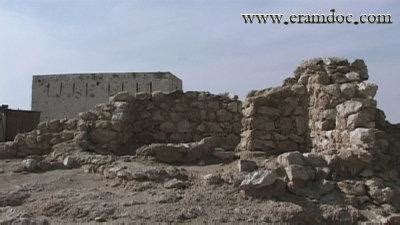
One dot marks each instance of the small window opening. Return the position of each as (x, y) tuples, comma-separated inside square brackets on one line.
[(122, 87), (137, 87), (61, 87), (108, 89), (73, 88), (151, 87), (87, 89), (48, 89)]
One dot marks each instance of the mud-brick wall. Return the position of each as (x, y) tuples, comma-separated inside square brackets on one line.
[(275, 120), (130, 121)]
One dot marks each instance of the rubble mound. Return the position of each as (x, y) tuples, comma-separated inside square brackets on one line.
[(314, 150)]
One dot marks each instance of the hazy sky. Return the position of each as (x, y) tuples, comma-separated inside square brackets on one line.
[(206, 44)]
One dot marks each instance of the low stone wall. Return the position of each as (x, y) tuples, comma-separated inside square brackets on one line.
[(41, 140), (128, 122)]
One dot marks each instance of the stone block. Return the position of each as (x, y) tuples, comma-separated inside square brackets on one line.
[(258, 179), (362, 119), (247, 165), (360, 136), (299, 173), (223, 115), (348, 90), (290, 158), (121, 97), (183, 126), (268, 111), (234, 107), (167, 127), (367, 90), (353, 76), (354, 106), (287, 146)]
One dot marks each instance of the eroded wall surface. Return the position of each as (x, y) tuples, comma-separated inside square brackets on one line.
[(128, 122), (65, 96), (276, 120), (327, 108), (177, 117)]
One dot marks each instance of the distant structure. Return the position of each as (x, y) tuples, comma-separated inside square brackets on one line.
[(13, 122), (66, 95)]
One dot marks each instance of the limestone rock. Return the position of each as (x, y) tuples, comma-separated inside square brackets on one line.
[(300, 173), (326, 187), (348, 89), (223, 155), (381, 196), (367, 90), (353, 76), (183, 152), (362, 119), (233, 107), (30, 164), (322, 172), (335, 214), (167, 127), (291, 158), (350, 187), (247, 165), (349, 107), (70, 162), (213, 179), (121, 97), (314, 159), (360, 136), (258, 179), (87, 116), (175, 183), (359, 66), (124, 175)]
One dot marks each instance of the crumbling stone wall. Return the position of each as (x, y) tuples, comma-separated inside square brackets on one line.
[(342, 113), (275, 120), (41, 140), (128, 122), (334, 99), (341, 100)]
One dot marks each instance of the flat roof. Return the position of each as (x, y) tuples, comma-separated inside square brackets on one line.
[(100, 74)]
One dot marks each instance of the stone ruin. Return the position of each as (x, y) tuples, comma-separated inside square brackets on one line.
[(328, 109), (319, 134)]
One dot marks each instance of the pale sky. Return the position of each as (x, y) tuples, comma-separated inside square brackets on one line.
[(206, 44)]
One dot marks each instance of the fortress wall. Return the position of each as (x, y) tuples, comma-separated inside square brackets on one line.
[(64, 96)]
